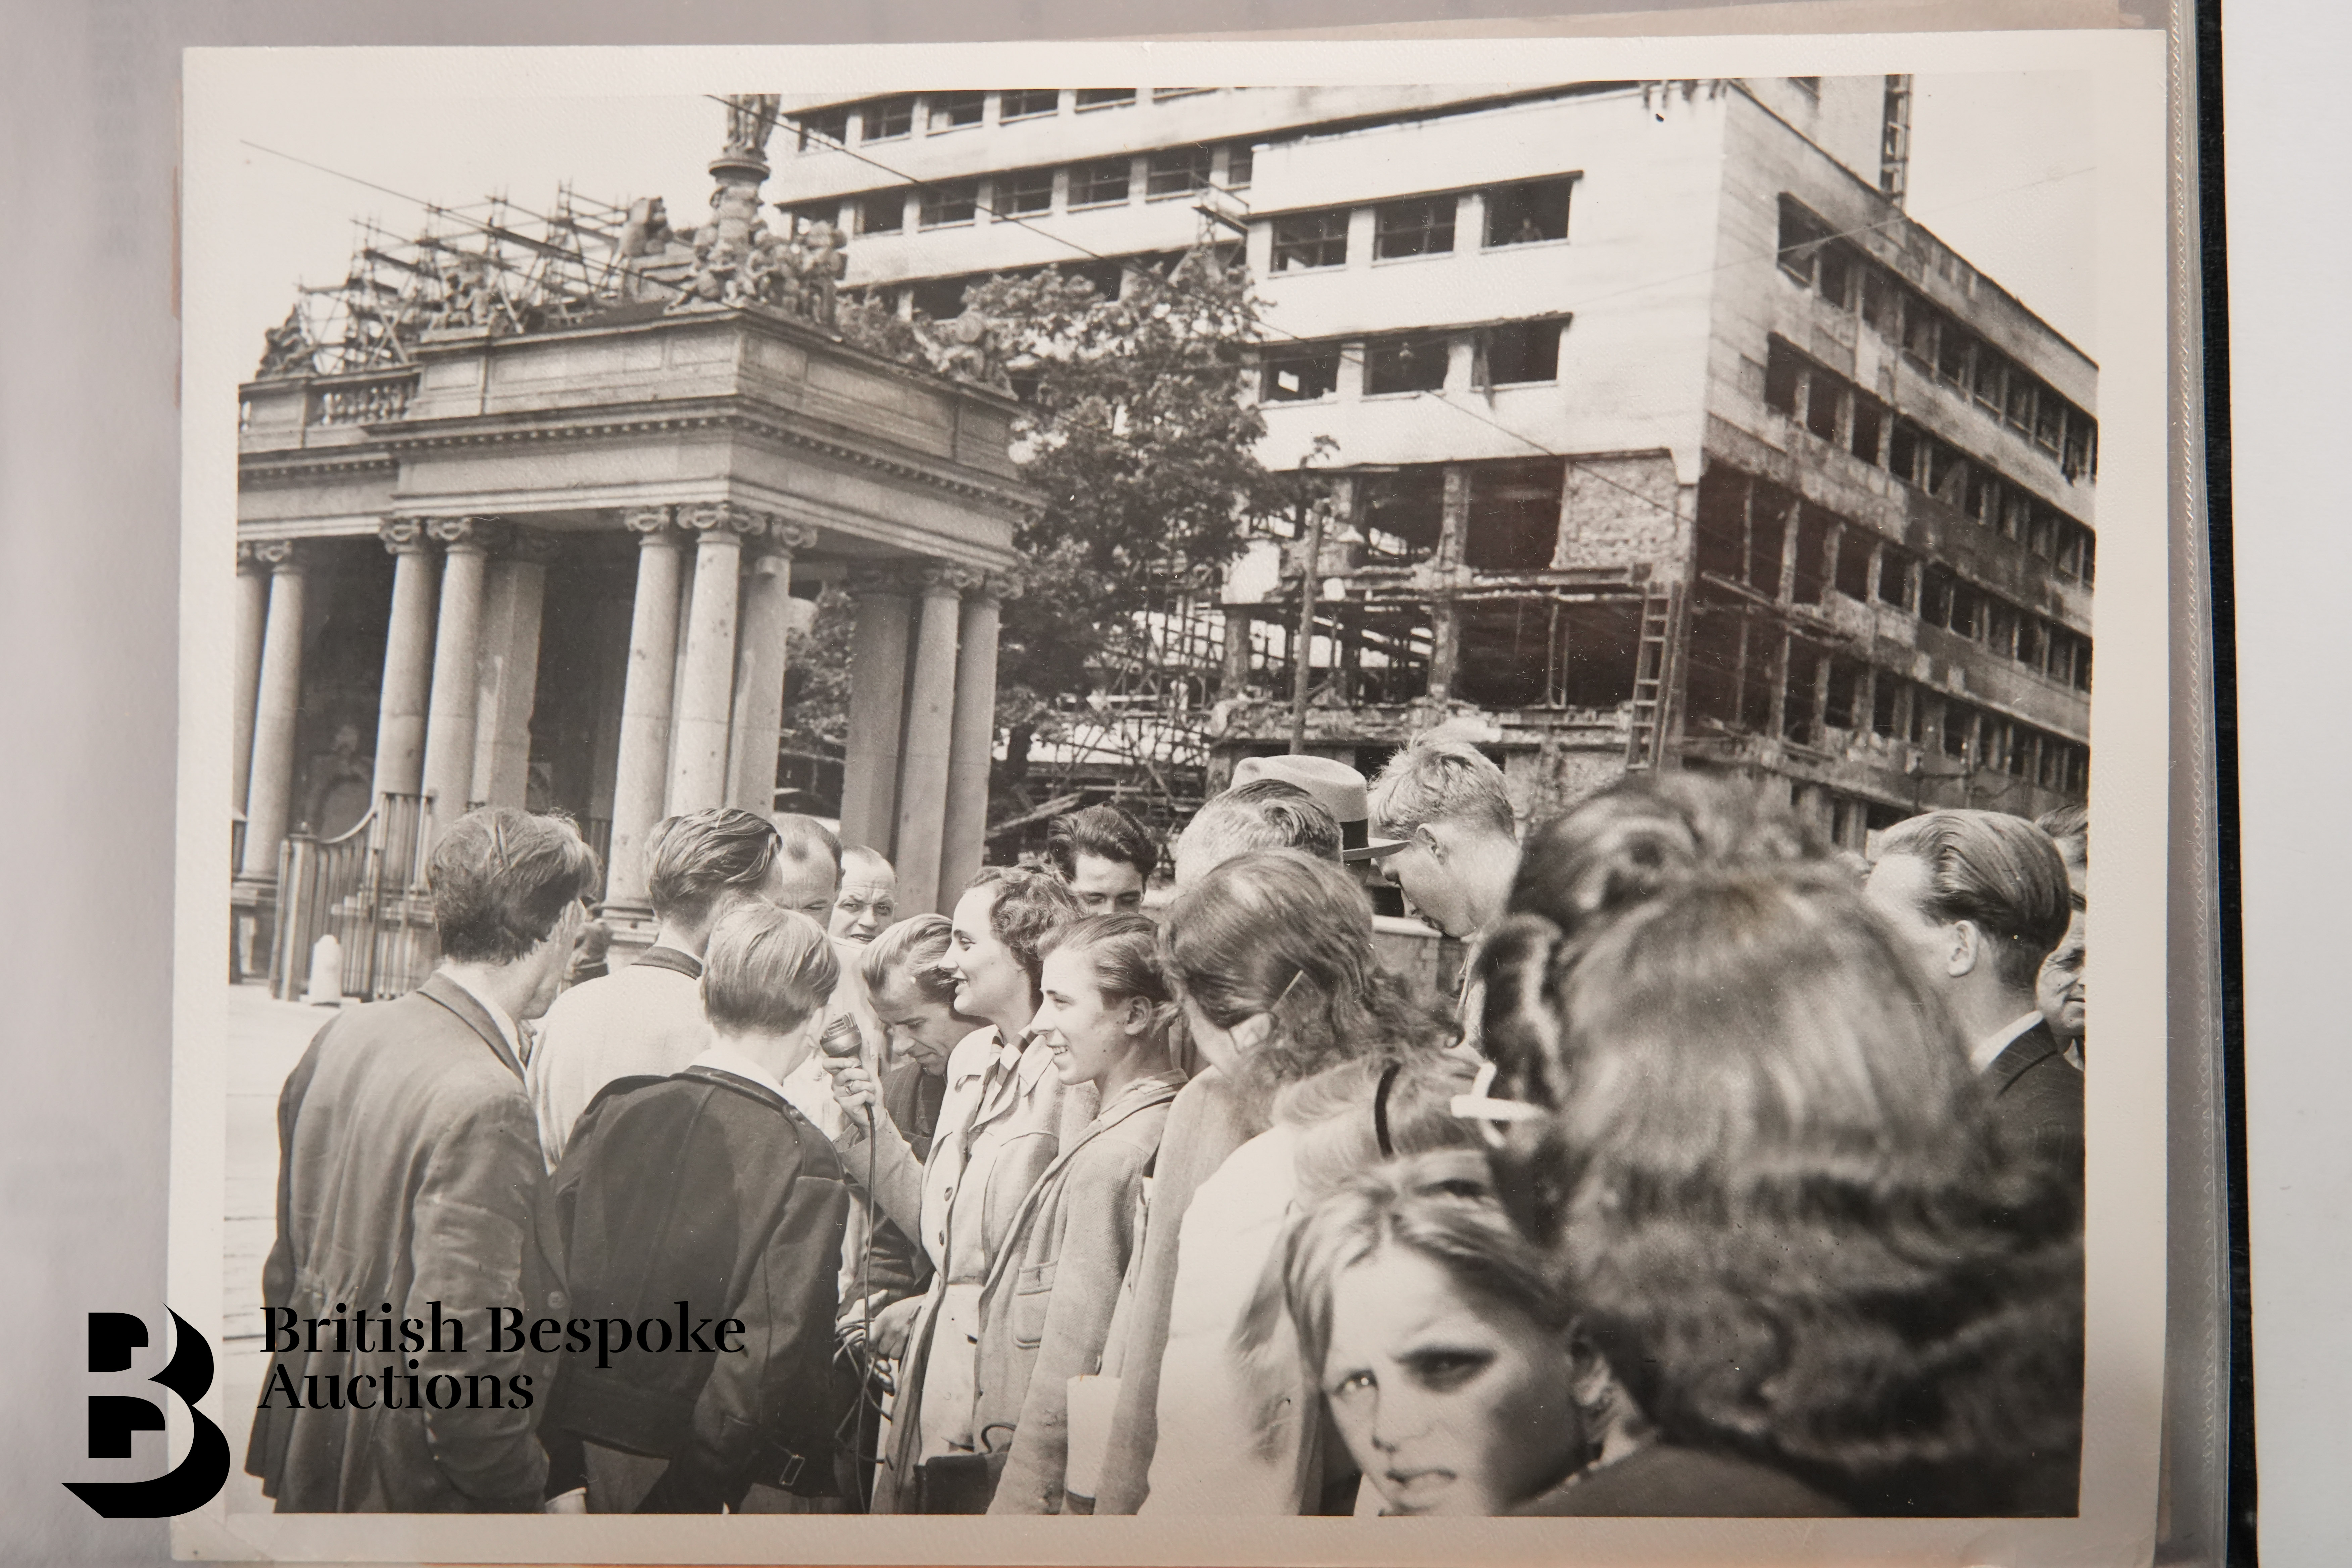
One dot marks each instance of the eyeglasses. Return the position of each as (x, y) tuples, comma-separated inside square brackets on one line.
[(1493, 1116)]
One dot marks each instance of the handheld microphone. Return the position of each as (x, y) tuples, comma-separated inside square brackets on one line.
[(840, 1041)]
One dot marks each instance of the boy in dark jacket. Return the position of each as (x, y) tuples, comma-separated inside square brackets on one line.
[(706, 1196)]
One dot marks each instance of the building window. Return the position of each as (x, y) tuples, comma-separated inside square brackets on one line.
[(1175, 172), (884, 212), (1413, 362), (1240, 161), (941, 298), (823, 130), (1801, 234), (1525, 214), (1300, 373), (1105, 97), (1423, 226), (1401, 513), (1310, 240), (1518, 352), (810, 214), (1102, 183), (1514, 515), (950, 203), (954, 110), (1024, 191), (889, 119), (1163, 94), (1028, 103)]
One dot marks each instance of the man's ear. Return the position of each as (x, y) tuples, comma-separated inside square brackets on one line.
[(1434, 847), (1967, 948), (1139, 1016)]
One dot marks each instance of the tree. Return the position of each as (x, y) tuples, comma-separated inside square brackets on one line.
[(1136, 427)]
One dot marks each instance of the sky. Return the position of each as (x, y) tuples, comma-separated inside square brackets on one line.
[(2001, 171)]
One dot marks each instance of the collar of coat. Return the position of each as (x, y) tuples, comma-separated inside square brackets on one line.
[(438, 987), (1142, 1095)]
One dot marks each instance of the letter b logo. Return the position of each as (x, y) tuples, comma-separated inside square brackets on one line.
[(113, 1417)]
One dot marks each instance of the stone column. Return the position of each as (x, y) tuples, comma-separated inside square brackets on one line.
[(705, 706), (641, 770), (931, 718), (760, 666), (508, 686), (877, 696), (252, 613), (278, 704), (457, 651), (963, 842), (407, 659)]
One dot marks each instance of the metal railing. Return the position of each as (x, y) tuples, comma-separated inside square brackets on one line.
[(366, 888)]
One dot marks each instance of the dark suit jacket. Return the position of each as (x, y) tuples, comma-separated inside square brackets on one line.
[(409, 1173), (2037, 1097), (709, 1189)]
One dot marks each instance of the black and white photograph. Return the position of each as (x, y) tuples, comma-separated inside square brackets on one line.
[(1276, 808)]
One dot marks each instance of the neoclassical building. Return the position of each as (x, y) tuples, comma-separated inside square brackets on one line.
[(535, 536)]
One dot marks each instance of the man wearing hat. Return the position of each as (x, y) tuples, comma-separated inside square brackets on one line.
[(1341, 791)]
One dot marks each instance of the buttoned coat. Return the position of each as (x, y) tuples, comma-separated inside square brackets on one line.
[(1046, 1308), (2037, 1097), (409, 1173)]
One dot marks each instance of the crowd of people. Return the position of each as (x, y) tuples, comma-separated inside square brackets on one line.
[(1731, 1180)]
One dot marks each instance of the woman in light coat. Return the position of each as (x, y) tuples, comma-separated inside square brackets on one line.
[(1046, 1308), (999, 1128)]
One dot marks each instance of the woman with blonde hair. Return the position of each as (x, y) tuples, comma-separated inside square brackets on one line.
[(1450, 1366), (1271, 955)]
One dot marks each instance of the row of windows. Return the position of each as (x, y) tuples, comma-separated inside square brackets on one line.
[(1523, 214), (1935, 343), (1508, 353), (896, 117), (1169, 172), (1733, 653), (1837, 411), (1753, 532)]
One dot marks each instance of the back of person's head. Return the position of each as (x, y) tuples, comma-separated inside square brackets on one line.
[(853, 857), (705, 859), (1105, 832), (2070, 825), (1439, 780), (1124, 951), (1998, 871), (913, 952), (767, 971), (1775, 1193), (1281, 933), (1352, 1116), (1029, 909), (805, 839), (1617, 847), (1263, 814), (501, 881)]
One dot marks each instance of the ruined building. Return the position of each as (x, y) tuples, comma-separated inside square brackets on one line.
[(1664, 438)]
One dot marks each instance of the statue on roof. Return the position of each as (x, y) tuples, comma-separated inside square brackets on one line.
[(751, 118), (287, 348)]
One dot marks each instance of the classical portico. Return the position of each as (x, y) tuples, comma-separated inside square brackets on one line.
[(559, 568)]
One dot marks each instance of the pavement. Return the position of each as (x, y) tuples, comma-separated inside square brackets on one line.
[(266, 1039)]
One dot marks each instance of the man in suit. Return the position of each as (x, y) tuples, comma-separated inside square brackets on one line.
[(1982, 898), (408, 1190)]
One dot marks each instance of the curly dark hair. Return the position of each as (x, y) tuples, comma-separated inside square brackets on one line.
[(1031, 910), (1280, 933), (1105, 832), (501, 878), (1771, 1186)]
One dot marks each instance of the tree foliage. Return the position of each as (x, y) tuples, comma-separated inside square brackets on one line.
[(1136, 429)]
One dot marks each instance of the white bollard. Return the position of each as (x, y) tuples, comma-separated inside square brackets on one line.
[(326, 972)]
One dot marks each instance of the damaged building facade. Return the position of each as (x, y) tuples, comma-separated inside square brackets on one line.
[(1658, 434)]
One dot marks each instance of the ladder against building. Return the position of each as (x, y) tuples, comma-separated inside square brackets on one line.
[(1654, 670)]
